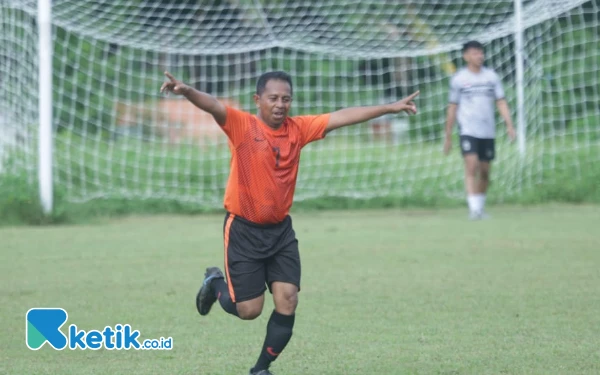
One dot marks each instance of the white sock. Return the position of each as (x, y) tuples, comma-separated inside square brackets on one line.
[(476, 202), (479, 202), (472, 201)]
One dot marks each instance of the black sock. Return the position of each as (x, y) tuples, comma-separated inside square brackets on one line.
[(279, 332), (222, 293)]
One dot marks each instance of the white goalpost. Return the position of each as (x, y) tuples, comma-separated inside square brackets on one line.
[(520, 120), (80, 109), (44, 22)]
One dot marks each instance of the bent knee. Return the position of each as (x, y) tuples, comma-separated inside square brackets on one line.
[(249, 315), (249, 312)]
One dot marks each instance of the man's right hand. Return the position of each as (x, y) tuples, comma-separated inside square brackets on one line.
[(447, 146), (174, 86)]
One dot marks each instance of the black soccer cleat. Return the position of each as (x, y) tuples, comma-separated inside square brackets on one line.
[(206, 295), (261, 372)]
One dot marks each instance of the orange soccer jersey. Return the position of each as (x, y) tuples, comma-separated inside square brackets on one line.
[(264, 163)]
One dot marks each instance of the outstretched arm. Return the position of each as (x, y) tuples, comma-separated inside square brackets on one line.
[(204, 101), (355, 115), (505, 113)]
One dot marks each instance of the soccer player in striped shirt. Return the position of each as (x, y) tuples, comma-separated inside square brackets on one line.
[(260, 245), (475, 91)]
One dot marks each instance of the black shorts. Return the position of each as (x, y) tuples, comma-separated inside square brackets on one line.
[(484, 147), (257, 255)]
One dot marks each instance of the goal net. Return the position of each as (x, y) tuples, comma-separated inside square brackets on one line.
[(116, 136)]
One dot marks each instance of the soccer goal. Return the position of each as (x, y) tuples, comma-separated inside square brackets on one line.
[(79, 84)]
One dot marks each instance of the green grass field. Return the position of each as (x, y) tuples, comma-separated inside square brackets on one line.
[(384, 292)]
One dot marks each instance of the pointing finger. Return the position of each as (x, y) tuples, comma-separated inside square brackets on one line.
[(170, 77), (412, 96)]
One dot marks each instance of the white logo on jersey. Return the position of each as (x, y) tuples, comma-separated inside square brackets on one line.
[(466, 145)]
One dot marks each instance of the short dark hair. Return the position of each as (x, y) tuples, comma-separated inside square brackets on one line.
[(268, 76), (472, 44)]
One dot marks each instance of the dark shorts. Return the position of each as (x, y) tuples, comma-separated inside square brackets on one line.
[(257, 255), (484, 147)]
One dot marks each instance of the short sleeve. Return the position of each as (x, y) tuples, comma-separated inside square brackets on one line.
[(236, 124), (312, 127), (454, 96), (498, 89)]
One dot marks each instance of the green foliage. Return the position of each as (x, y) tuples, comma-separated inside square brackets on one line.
[(569, 181), (570, 74), (561, 74), (91, 75), (585, 129), (569, 176), (19, 203)]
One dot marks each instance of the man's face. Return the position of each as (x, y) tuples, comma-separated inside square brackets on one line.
[(474, 56), (274, 103)]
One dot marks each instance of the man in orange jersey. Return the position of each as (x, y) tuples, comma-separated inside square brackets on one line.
[(261, 249)]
